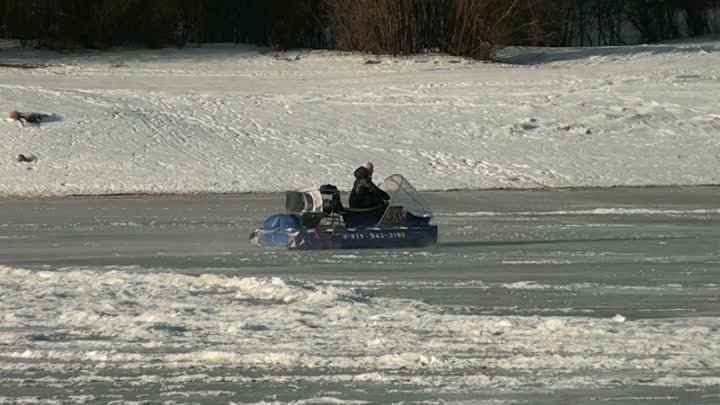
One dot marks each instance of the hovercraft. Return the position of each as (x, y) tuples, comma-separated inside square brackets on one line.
[(316, 219)]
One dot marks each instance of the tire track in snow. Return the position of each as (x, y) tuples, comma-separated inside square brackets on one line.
[(166, 126), (229, 134), (515, 174), (219, 120)]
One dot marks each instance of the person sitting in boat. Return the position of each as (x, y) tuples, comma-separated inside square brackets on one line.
[(365, 194)]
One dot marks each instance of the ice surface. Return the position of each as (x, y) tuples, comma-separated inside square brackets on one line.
[(156, 323), (162, 300)]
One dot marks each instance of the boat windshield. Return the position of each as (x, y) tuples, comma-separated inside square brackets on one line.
[(403, 193)]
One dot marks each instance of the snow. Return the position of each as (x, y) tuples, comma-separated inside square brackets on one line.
[(235, 118), (175, 329)]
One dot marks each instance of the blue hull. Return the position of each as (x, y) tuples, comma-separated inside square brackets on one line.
[(353, 238)]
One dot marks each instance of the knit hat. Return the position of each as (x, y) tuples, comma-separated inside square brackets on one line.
[(369, 166)]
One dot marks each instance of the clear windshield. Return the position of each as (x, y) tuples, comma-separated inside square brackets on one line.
[(403, 193)]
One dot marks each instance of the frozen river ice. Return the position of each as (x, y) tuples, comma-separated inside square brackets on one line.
[(543, 297)]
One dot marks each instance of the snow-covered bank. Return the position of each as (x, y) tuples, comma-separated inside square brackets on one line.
[(237, 119)]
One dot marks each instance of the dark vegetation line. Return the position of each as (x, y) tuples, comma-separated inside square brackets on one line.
[(471, 28)]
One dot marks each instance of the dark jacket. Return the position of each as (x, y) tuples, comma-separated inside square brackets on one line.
[(365, 194)]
